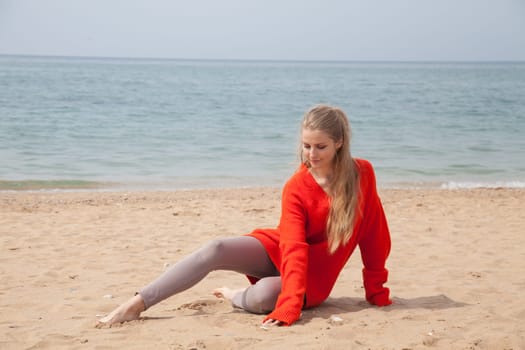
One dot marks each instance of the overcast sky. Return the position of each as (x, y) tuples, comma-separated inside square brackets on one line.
[(267, 29)]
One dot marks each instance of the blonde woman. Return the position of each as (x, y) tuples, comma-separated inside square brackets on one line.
[(329, 207)]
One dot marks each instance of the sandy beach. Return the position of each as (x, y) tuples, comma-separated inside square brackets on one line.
[(457, 272)]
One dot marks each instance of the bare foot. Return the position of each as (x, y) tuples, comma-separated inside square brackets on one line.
[(227, 293), (129, 311)]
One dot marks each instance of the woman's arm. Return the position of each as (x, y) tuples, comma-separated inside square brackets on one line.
[(375, 241), (294, 257)]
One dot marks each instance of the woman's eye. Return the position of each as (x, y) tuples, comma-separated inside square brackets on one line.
[(306, 146), (321, 147)]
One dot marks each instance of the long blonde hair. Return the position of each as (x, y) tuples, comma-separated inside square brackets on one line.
[(344, 187)]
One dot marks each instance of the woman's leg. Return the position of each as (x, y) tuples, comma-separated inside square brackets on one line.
[(243, 254), (259, 298)]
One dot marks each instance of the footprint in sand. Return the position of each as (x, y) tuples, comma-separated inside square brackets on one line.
[(198, 305)]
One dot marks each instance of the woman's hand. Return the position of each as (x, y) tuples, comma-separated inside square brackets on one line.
[(271, 323)]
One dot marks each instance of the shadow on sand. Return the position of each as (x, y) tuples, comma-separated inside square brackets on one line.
[(347, 304)]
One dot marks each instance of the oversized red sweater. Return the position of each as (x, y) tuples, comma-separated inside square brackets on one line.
[(298, 246)]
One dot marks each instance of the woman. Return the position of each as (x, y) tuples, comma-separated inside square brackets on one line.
[(329, 207)]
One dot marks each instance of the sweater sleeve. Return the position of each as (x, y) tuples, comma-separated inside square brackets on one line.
[(375, 243), (294, 257)]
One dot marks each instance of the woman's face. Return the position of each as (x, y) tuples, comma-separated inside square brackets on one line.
[(319, 149)]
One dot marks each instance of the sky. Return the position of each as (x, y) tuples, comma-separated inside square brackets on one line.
[(347, 30)]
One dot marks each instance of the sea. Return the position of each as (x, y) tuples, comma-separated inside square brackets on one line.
[(77, 123)]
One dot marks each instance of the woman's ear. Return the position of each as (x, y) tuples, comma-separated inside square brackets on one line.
[(338, 145)]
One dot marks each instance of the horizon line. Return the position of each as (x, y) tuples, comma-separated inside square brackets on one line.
[(284, 60)]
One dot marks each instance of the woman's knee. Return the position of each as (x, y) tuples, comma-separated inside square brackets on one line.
[(264, 294), (212, 249), (214, 253)]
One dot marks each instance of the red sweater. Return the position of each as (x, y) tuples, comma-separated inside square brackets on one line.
[(298, 246)]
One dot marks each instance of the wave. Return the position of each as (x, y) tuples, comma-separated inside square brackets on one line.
[(453, 185)]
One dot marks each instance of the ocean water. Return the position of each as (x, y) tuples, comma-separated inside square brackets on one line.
[(172, 124)]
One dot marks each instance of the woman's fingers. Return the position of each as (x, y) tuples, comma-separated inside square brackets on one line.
[(271, 323)]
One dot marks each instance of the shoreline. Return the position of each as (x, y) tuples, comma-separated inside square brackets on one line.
[(53, 186)]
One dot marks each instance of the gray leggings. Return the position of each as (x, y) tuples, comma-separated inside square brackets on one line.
[(242, 254)]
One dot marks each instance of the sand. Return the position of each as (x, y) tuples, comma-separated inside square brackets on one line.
[(457, 272)]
